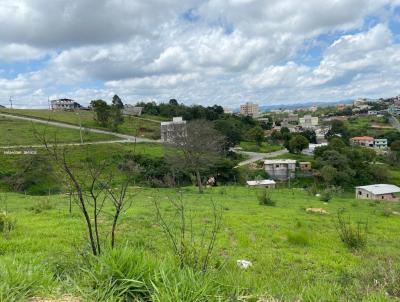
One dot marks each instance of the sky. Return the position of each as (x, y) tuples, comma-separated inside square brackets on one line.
[(206, 52)]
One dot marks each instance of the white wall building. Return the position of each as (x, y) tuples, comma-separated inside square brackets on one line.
[(280, 168), (169, 130), (308, 121)]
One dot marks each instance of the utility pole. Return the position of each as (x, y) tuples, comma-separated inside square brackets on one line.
[(48, 102), (80, 126), (11, 102)]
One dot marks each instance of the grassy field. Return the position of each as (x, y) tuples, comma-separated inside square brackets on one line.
[(296, 256), (132, 125), (264, 148), (363, 125), (16, 132)]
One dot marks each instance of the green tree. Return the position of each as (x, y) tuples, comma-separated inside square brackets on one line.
[(329, 174), (102, 111), (298, 143), (117, 118), (117, 102), (395, 146), (256, 134)]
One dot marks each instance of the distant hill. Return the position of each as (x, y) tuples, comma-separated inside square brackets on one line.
[(303, 105)]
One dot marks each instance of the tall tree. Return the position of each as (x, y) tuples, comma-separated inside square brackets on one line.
[(195, 149), (102, 110), (117, 102)]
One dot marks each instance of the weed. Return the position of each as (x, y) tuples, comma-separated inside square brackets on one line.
[(265, 199), (353, 235), (7, 223), (41, 206)]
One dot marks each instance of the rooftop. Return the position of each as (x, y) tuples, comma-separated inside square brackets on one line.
[(279, 161), (260, 182), (379, 189), (362, 138)]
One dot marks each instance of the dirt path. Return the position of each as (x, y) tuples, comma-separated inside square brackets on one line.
[(256, 156)]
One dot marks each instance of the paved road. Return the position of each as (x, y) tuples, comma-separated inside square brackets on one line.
[(68, 126), (255, 156), (394, 122)]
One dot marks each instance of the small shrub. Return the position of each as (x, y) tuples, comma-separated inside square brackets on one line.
[(6, 223), (299, 238), (327, 194), (265, 199), (353, 235), (41, 206)]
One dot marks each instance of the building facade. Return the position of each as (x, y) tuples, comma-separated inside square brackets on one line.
[(249, 109), (308, 121), (64, 104), (173, 129), (280, 169), (381, 143)]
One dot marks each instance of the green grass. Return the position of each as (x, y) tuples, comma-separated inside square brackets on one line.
[(264, 148), (361, 125), (295, 255), (132, 125), (16, 132)]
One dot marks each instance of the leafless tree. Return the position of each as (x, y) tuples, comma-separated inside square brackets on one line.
[(195, 149), (192, 248), (93, 184)]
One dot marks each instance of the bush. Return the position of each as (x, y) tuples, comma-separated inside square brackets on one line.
[(41, 206), (329, 193), (6, 223), (265, 199), (353, 235)]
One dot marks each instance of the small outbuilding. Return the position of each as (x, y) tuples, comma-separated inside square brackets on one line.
[(305, 166), (265, 183), (378, 192)]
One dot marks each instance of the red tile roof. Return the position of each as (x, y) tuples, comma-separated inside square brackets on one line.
[(363, 138)]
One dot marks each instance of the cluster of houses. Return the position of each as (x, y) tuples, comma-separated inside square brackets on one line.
[(285, 169), (68, 104)]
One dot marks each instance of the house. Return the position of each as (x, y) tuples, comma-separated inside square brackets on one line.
[(366, 141), (372, 112), (381, 143), (305, 166), (340, 106), (378, 192), (249, 109), (308, 121), (64, 104), (265, 183), (175, 128), (280, 168), (132, 110), (311, 148), (293, 118), (313, 108)]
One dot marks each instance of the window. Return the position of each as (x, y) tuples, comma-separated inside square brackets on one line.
[(367, 195), (359, 193), (277, 166)]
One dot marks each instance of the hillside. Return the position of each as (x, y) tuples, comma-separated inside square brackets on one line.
[(16, 132), (142, 127), (295, 255)]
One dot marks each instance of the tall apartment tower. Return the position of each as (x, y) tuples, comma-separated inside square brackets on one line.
[(249, 109)]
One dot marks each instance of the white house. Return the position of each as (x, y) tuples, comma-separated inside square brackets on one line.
[(378, 192), (169, 130), (64, 104), (308, 121)]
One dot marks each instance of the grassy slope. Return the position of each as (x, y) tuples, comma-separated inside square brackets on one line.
[(264, 148), (317, 269), (131, 125), (16, 132), (361, 125)]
